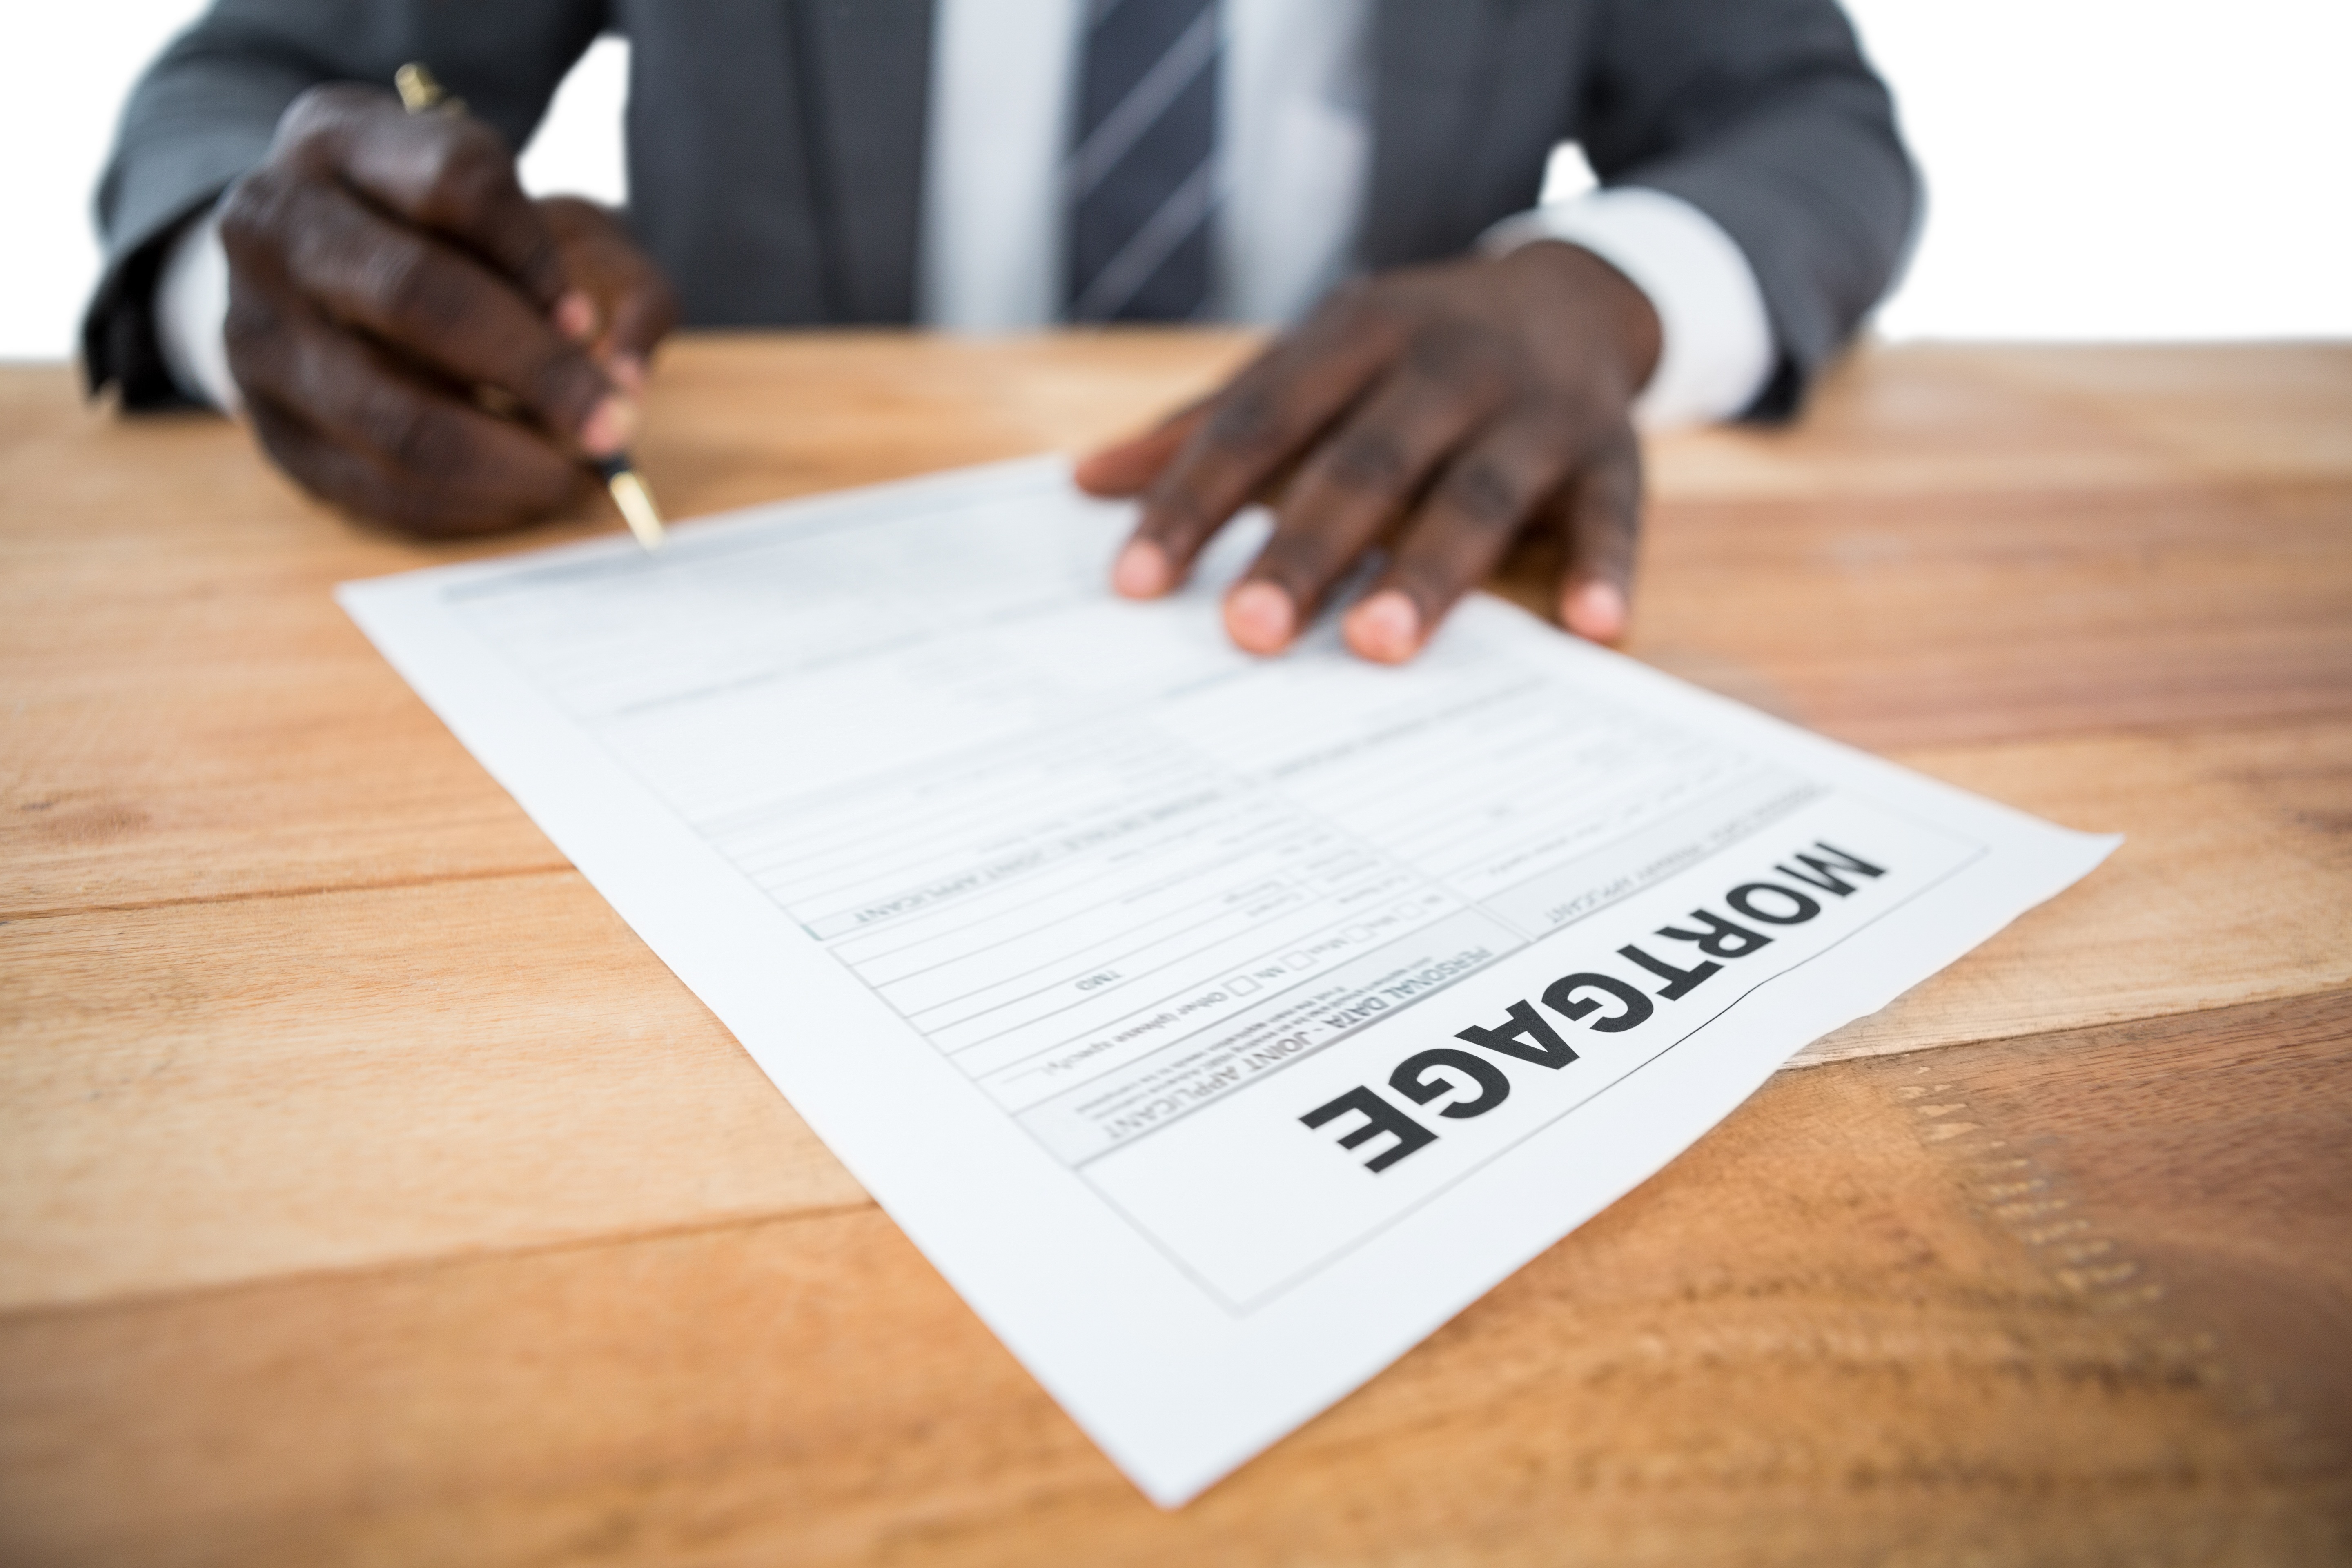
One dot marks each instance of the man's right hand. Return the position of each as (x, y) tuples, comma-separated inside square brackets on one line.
[(388, 277)]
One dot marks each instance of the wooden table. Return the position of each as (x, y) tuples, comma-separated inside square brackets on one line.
[(369, 1193)]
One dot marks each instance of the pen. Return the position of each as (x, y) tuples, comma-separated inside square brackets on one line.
[(421, 94)]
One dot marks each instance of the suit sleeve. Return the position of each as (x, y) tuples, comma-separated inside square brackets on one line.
[(1764, 115), (205, 110)]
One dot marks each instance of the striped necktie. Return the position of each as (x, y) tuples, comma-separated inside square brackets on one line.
[(1142, 175)]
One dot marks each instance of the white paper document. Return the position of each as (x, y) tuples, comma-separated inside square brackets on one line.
[(1219, 1026)]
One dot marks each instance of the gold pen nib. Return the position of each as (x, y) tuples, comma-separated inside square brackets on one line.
[(421, 93), (636, 504)]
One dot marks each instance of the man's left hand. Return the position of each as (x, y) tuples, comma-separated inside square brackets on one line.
[(1443, 411)]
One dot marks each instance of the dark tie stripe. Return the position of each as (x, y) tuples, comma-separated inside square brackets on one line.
[(1141, 179)]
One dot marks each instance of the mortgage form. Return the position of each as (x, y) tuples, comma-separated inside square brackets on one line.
[(1218, 1026)]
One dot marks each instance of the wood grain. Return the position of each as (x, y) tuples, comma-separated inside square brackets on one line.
[(2196, 1162), (173, 1119), (1947, 420), (369, 1193), (2224, 890), (217, 1091), (1826, 1331)]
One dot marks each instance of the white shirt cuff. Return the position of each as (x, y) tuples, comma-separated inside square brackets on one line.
[(1716, 351), (192, 315)]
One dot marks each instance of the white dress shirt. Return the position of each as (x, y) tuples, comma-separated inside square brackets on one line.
[(1296, 140)]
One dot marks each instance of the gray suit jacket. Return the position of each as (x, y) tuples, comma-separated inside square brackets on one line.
[(775, 146)]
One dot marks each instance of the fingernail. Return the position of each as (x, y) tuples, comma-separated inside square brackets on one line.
[(1141, 570), (1386, 626), (609, 428), (1595, 610), (628, 373), (1261, 617), (575, 316)]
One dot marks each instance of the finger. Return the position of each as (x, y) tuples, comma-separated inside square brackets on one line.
[(626, 305), (384, 442), (353, 482), (445, 309), (1125, 467), (642, 311), (445, 173), (1271, 411), (344, 479), (1459, 535), (1359, 480), (633, 308), (1603, 520)]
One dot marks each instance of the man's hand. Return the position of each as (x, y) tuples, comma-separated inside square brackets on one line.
[(415, 339), (1442, 411)]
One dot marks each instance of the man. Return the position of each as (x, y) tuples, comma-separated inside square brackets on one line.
[(1469, 379)]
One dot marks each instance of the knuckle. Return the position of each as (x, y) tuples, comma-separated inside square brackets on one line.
[(253, 213), (317, 125), (316, 111), (1486, 491), (399, 278), (1302, 561), (468, 178), (411, 439), (1621, 510), (1426, 582), (1435, 569), (1248, 421), (1176, 512), (1372, 459), (1614, 467), (1608, 512)]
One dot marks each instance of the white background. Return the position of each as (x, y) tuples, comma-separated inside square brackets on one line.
[(2101, 169)]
